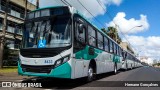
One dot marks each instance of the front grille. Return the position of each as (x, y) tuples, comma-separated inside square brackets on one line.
[(42, 52), (37, 69), (37, 53)]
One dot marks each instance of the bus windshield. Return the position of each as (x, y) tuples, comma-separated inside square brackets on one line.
[(52, 32)]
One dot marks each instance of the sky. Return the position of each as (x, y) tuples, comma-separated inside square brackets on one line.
[(138, 20)]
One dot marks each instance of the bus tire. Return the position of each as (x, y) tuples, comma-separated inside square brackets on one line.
[(115, 68), (90, 75)]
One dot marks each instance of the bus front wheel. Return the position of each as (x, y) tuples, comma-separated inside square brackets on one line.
[(115, 68), (91, 74)]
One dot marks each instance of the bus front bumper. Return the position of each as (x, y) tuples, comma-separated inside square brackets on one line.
[(62, 71)]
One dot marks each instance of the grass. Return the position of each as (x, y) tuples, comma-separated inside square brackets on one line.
[(8, 69)]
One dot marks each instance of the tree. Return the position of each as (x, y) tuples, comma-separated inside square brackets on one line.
[(2, 37), (119, 40), (112, 33), (104, 30), (6, 52), (37, 4)]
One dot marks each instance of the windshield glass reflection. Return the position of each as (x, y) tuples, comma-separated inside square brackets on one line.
[(52, 33)]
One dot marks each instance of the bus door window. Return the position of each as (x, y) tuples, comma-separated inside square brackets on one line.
[(81, 34), (80, 37)]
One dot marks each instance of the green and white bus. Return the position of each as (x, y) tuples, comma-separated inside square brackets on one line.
[(129, 61), (59, 42)]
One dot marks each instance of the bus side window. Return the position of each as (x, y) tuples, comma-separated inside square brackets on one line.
[(106, 44), (117, 50), (114, 48), (120, 52), (128, 56), (91, 36), (111, 46), (100, 40)]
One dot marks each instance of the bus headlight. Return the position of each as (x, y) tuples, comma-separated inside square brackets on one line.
[(62, 60), (66, 59)]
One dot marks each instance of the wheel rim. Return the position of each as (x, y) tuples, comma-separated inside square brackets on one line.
[(90, 74), (115, 69)]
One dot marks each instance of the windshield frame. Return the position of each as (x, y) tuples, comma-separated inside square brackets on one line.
[(39, 19)]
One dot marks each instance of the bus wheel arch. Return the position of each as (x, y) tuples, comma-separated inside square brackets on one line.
[(93, 64), (92, 69)]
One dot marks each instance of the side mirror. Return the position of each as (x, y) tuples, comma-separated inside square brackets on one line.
[(80, 28)]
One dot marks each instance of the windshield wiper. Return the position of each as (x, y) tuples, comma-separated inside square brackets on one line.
[(45, 29), (36, 34)]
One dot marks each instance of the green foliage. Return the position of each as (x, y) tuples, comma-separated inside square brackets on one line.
[(157, 64), (112, 33), (9, 56), (8, 69), (104, 30)]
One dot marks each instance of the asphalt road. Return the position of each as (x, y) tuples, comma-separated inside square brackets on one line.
[(108, 81)]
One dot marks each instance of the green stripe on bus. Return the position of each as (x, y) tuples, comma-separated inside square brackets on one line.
[(62, 71), (116, 58), (85, 53)]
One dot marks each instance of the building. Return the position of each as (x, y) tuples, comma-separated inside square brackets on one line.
[(16, 13), (126, 47)]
